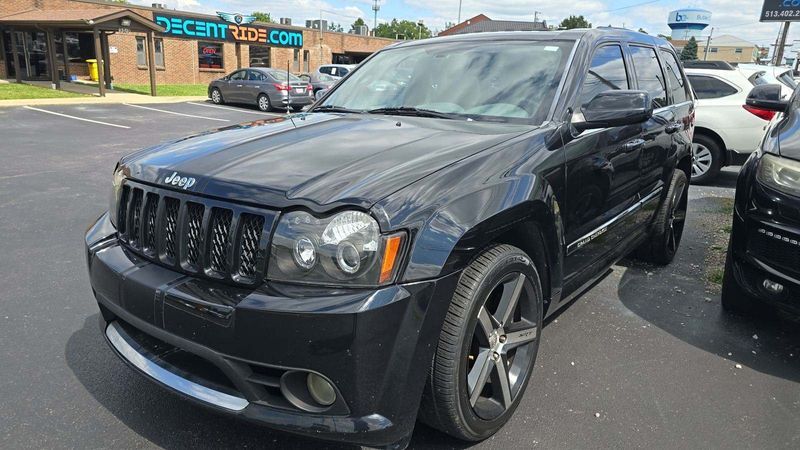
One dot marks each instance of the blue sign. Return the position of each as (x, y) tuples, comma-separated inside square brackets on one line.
[(235, 28)]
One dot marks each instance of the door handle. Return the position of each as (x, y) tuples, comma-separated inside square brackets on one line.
[(673, 127), (238, 85), (633, 145)]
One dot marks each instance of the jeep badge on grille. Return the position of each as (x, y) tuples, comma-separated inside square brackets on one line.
[(177, 180)]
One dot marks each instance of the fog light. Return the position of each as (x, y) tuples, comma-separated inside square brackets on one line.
[(320, 389), (773, 287)]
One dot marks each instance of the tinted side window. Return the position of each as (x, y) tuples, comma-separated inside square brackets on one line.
[(648, 72), (325, 70), (675, 80), (606, 73), (708, 87), (240, 75)]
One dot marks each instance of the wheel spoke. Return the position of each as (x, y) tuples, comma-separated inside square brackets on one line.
[(501, 370), (476, 379), (486, 322), (673, 245), (508, 301), (519, 337)]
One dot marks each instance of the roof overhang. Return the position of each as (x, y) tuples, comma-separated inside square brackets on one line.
[(103, 19)]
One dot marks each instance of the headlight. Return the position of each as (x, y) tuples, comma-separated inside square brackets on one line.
[(346, 248), (116, 192), (781, 174)]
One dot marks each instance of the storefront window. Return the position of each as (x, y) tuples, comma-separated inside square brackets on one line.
[(80, 47), (296, 65), (141, 56), (159, 45), (306, 57), (209, 55), (259, 56)]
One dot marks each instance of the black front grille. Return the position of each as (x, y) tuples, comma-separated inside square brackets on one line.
[(199, 236), (776, 248)]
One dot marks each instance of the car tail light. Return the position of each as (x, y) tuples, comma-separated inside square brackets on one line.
[(282, 87), (760, 113), (310, 88)]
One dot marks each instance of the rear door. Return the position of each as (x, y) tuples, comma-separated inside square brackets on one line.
[(602, 172), (254, 85)]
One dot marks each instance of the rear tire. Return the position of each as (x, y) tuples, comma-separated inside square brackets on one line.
[(216, 97), (706, 159), (297, 108), (734, 298), (668, 225), (491, 330), (263, 103)]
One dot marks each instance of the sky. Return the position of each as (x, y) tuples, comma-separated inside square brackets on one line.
[(738, 18)]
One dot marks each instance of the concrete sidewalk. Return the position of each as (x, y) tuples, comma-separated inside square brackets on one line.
[(111, 98)]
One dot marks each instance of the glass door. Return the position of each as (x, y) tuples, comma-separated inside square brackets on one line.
[(37, 66)]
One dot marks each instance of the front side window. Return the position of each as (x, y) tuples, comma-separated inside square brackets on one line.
[(506, 81), (648, 72), (209, 55), (675, 80), (238, 76), (141, 57), (606, 73), (710, 87)]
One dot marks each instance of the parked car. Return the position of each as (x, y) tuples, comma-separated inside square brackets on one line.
[(760, 75), (393, 253), (319, 81), (727, 130), (336, 70), (266, 88), (763, 262)]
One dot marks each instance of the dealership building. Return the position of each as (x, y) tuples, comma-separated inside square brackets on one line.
[(51, 40)]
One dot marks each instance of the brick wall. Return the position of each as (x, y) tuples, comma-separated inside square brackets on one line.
[(180, 55)]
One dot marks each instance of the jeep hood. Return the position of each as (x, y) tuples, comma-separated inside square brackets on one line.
[(320, 160)]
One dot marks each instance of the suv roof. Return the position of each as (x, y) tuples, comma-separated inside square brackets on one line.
[(589, 34), (718, 65)]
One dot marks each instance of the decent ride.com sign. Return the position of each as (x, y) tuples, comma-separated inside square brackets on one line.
[(218, 30), (780, 11)]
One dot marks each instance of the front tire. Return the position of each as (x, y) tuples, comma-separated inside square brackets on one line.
[(263, 103), (487, 347), (668, 225), (706, 159), (216, 97)]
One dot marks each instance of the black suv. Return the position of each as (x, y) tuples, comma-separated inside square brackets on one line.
[(393, 252), (763, 262)]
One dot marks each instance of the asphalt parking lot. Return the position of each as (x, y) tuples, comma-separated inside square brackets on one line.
[(644, 359)]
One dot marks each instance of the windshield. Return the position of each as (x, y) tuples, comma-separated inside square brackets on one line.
[(510, 81), (787, 79), (759, 78)]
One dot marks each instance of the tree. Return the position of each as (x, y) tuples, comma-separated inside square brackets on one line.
[(689, 51), (123, 2), (333, 26), (262, 17), (402, 29), (358, 23), (575, 22)]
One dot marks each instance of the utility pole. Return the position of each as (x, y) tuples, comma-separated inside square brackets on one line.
[(781, 44), (459, 11), (376, 6), (708, 43), (536, 16)]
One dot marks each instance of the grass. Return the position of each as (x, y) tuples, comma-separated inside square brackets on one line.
[(165, 90), (17, 91), (715, 276)]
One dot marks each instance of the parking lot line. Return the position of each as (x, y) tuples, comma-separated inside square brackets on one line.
[(76, 118), (177, 113), (229, 108)]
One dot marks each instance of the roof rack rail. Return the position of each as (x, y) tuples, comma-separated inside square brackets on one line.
[(697, 64)]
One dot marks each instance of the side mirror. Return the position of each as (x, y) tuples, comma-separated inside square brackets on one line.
[(768, 97), (614, 109)]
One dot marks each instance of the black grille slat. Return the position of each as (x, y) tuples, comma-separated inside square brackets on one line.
[(775, 248), (193, 237), (220, 239), (149, 229), (249, 243), (135, 214), (170, 228), (202, 237)]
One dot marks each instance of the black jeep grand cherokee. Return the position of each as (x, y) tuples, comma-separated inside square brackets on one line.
[(393, 252)]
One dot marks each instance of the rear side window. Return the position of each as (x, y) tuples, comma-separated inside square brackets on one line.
[(325, 70), (710, 87), (648, 72), (675, 80), (606, 73)]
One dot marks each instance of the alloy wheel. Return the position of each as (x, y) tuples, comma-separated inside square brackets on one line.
[(677, 218), (263, 103), (702, 159), (216, 97), (503, 346)]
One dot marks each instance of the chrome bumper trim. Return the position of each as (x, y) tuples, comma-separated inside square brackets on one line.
[(116, 335)]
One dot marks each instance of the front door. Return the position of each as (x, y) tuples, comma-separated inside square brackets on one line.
[(602, 173), (233, 89), (31, 55)]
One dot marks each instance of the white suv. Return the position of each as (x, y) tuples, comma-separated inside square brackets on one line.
[(726, 130)]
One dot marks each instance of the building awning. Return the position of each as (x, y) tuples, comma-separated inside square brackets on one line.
[(103, 19)]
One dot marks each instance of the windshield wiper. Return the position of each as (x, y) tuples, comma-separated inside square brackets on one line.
[(336, 109), (412, 111)]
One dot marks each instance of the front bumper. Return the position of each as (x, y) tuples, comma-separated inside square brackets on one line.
[(236, 350), (765, 241)]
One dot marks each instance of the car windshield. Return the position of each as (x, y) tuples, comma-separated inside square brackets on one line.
[(759, 78), (508, 81), (279, 75), (323, 77), (787, 79)]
